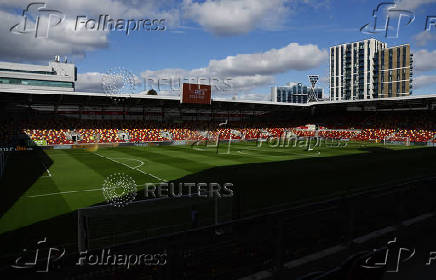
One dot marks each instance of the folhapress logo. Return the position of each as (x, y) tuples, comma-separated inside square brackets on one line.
[(387, 19), (38, 19)]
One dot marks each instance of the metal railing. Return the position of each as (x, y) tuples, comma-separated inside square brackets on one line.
[(267, 241)]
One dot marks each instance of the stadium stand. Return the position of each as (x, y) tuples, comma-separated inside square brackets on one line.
[(416, 128), (265, 241)]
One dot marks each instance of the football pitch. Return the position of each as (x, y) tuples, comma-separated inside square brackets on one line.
[(51, 184)]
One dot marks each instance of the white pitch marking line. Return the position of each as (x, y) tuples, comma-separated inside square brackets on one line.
[(283, 153), (247, 154), (139, 170), (141, 163), (65, 192), (48, 171)]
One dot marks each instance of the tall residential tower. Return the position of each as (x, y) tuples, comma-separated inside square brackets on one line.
[(369, 69)]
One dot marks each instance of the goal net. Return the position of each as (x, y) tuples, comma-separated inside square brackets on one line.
[(105, 225), (396, 140), (432, 141)]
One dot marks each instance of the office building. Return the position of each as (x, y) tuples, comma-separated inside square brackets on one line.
[(60, 76), (293, 93)]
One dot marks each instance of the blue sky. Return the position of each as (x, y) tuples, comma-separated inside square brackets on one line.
[(255, 43)]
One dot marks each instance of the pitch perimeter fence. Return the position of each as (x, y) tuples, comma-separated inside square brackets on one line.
[(2, 163), (269, 242)]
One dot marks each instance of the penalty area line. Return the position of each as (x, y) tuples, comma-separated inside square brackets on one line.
[(283, 153), (65, 192), (77, 191), (133, 168), (47, 170)]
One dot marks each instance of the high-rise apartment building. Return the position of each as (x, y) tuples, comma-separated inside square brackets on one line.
[(369, 69), (393, 72)]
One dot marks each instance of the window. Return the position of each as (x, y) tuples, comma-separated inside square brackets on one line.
[(404, 55), (390, 59), (398, 57), (30, 72), (40, 83)]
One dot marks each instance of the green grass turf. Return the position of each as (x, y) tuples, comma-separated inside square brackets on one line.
[(264, 176)]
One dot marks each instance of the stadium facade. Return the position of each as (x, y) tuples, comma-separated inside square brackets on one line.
[(294, 93), (369, 69), (54, 77)]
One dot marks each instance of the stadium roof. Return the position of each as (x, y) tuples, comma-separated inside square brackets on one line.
[(413, 100)]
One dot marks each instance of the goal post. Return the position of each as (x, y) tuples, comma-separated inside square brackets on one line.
[(396, 140), (105, 225), (432, 141)]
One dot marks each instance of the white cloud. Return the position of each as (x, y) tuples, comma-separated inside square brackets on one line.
[(254, 96), (424, 37), (169, 81), (90, 82), (424, 81), (232, 17), (412, 4), (114, 8), (324, 79), (222, 17), (424, 60), (247, 96), (93, 82), (19, 47), (245, 72), (63, 39), (291, 57), (246, 83)]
